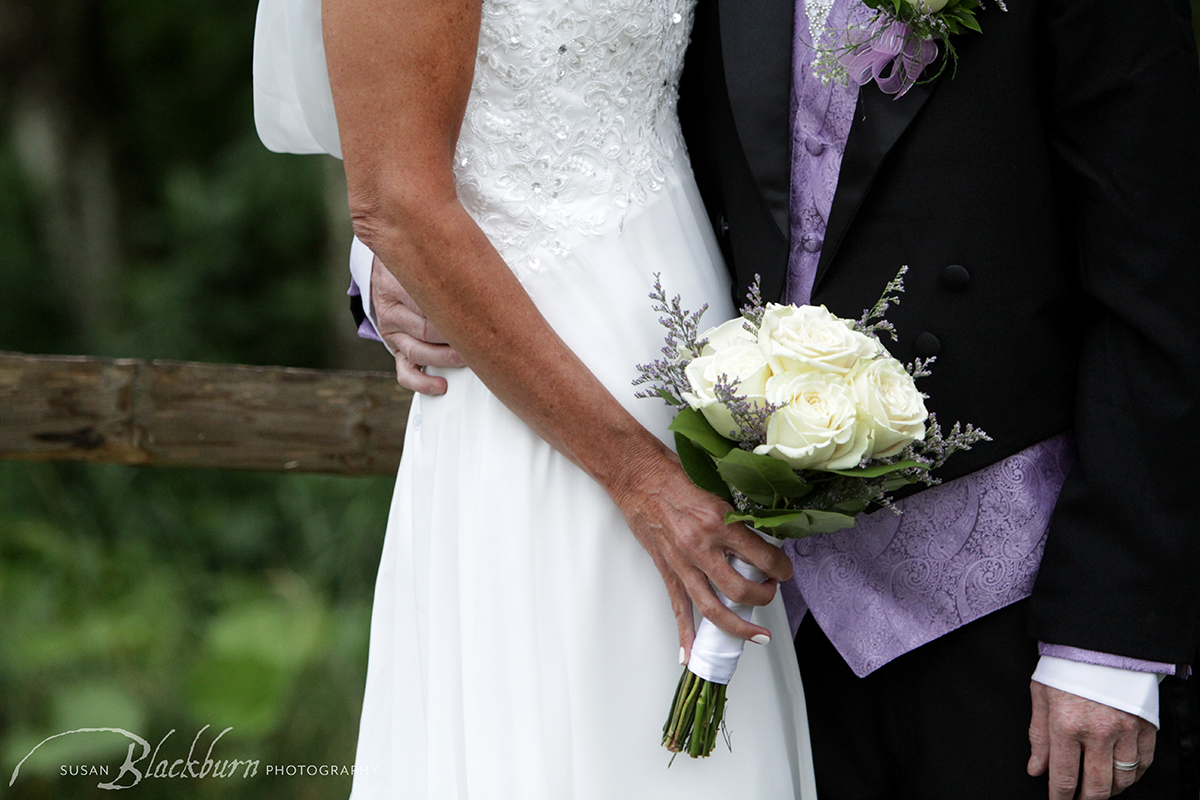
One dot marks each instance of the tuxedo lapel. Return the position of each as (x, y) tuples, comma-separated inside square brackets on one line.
[(879, 121), (756, 46)]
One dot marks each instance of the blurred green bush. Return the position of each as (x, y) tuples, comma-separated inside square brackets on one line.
[(158, 600), (141, 217)]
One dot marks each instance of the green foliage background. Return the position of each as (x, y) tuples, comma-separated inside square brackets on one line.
[(140, 217)]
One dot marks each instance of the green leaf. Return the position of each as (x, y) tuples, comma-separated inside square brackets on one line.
[(767, 518), (851, 506), (969, 21), (763, 479), (700, 468), (794, 524), (670, 399), (829, 521), (691, 424), (877, 470)]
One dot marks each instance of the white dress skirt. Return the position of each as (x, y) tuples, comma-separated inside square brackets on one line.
[(522, 642)]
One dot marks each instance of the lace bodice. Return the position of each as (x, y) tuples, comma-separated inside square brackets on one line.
[(571, 120)]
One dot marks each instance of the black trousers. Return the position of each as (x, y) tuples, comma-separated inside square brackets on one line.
[(950, 720)]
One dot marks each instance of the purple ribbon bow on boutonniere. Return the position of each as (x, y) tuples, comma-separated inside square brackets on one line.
[(894, 47)]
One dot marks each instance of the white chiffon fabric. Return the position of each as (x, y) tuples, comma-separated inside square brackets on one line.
[(293, 104), (522, 642)]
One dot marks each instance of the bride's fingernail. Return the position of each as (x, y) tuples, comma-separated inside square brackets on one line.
[(682, 657), (760, 638)]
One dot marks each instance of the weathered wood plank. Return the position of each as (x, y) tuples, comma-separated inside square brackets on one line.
[(169, 413)]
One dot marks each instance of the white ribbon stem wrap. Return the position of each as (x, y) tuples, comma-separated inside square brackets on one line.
[(715, 653)]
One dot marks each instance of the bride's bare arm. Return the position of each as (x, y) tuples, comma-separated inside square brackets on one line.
[(401, 72)]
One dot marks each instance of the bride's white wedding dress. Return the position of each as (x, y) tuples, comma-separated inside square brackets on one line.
[(522, 642)]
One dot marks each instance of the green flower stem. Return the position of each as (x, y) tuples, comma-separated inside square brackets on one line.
[(718, 715), (671, 728), (696, 745), (673, 719), (697, 713)]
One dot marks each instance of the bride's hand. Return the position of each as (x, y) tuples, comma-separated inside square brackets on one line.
[(683, 529)]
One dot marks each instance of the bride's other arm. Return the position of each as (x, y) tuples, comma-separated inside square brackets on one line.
[(401, 72)]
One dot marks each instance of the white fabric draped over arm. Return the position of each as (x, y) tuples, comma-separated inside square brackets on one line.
[(293, 105)]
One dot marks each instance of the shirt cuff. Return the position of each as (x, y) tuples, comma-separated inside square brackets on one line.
[(1129, 690), (361, 260)]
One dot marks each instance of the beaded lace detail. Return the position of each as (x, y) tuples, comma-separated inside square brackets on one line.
[(571, 119)]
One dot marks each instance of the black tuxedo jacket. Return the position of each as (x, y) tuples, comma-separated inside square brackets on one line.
[(1046, 199)]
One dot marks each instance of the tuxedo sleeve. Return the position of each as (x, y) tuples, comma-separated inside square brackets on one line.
[(361, 261), (1122, 559)]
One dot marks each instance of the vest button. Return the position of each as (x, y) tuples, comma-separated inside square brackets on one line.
[(956, 277), (927, 345)]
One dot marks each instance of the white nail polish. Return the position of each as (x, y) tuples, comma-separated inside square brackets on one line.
[(682, 657), (760, 638)]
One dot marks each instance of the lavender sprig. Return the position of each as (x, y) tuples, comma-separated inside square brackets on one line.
[(919, 368), (873, 321), (937, 447), (754, 309), (666, 375), (750, 417)]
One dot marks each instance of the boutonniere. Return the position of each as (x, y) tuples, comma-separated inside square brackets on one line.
[(898, 42)]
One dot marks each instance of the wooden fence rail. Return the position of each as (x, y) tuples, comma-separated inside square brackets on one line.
[(170, 413)]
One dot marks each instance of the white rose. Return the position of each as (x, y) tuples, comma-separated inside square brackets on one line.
[(891, 405), (802, 338), (728, 334), (818, 426), (928, 6), (744, 364)]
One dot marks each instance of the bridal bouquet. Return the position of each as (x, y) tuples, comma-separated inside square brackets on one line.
[(800, 420)]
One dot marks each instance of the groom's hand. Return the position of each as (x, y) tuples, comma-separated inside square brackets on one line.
[(1064, 726), (412, 337)]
